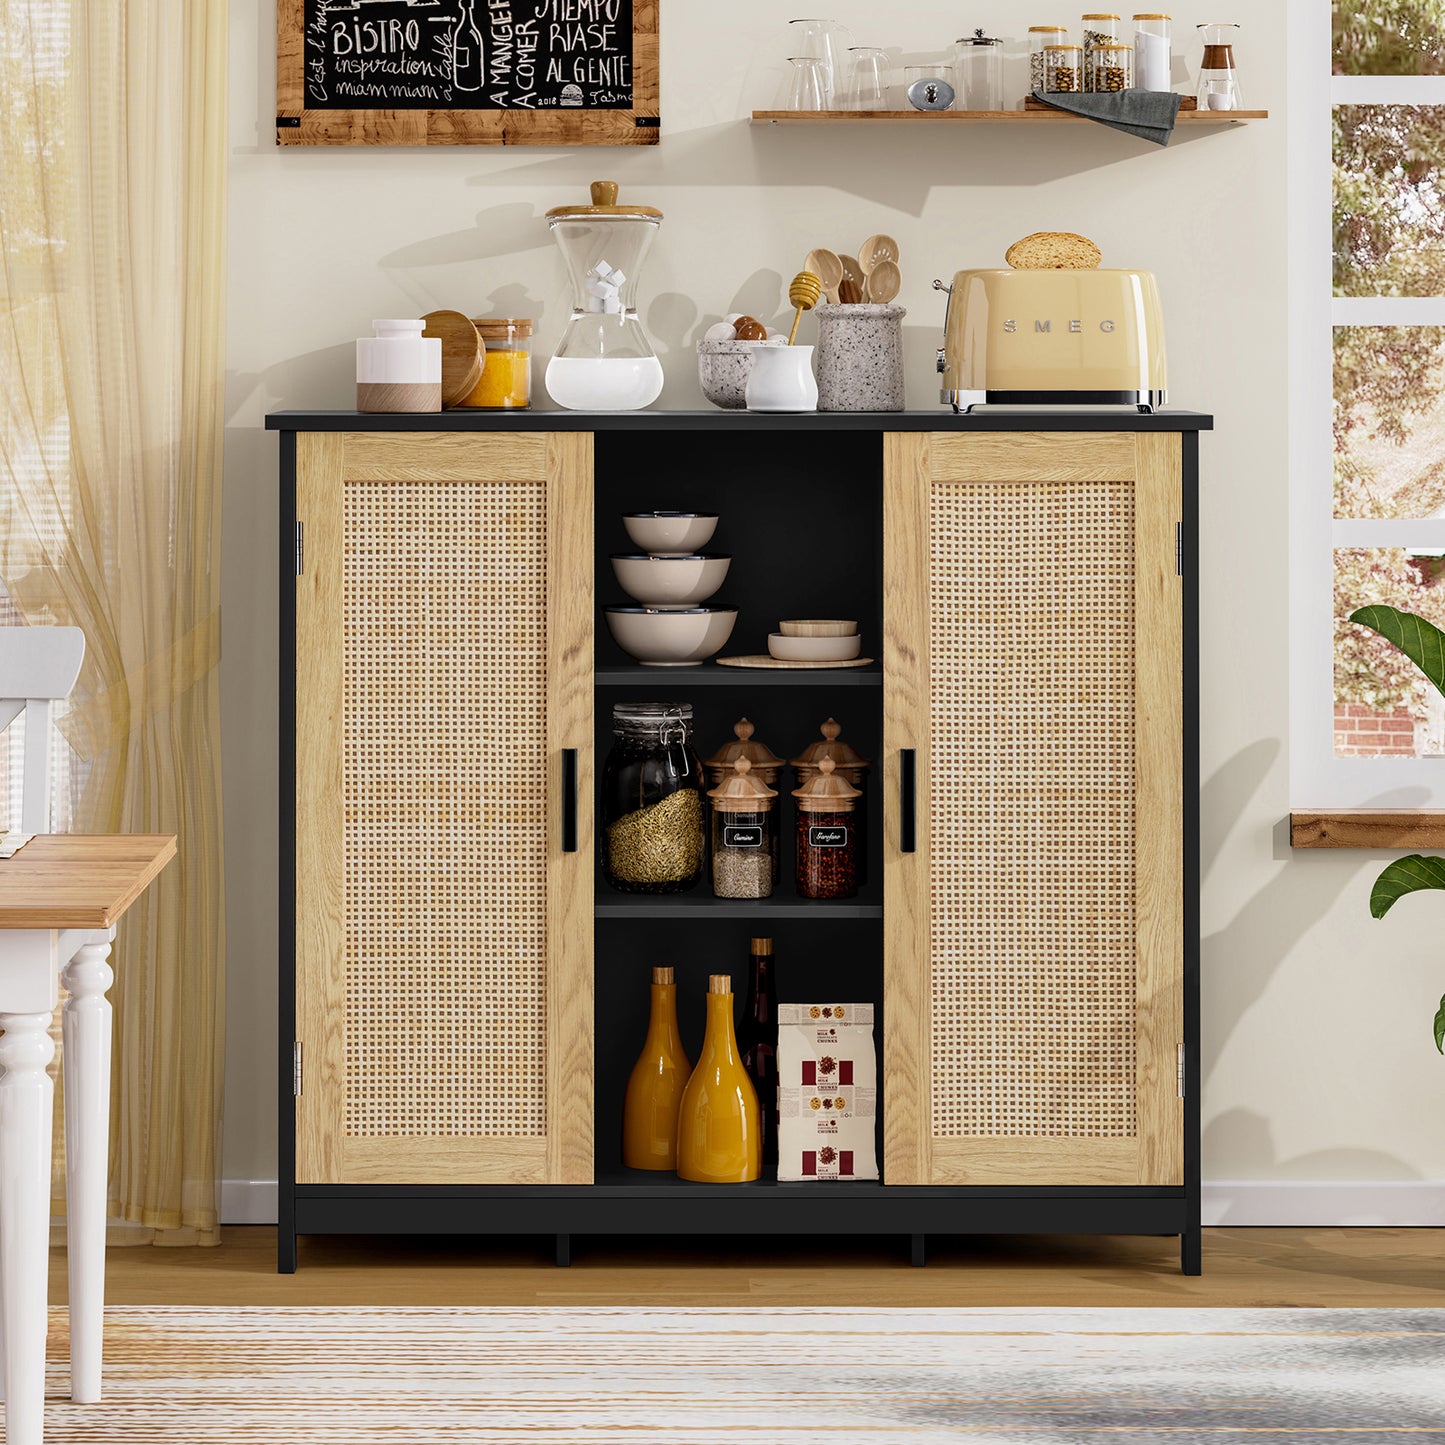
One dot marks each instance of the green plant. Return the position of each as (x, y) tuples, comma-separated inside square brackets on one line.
[(1424, 644)]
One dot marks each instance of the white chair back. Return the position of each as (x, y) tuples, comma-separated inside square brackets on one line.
[(38, 667)]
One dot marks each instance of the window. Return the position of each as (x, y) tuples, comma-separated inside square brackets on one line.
[(1367, 354)]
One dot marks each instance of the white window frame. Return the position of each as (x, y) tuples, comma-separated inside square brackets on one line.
[(1318, 778)]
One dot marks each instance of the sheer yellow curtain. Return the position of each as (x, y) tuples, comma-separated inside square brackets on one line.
[(112, 199)]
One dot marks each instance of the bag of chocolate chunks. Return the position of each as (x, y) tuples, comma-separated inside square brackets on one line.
[(827, 1091)]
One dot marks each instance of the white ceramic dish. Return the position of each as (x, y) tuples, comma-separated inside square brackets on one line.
[(813, 649), (670, 581), (817, 627), (663, 534), (674, 638)]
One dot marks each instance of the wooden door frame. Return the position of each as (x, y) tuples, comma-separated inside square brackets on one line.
[(1153, 462), (325, 463)]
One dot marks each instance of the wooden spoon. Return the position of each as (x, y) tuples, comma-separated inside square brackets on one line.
[(805, 293), (852, 270), (827, 266), (875, 250), (885, 281)]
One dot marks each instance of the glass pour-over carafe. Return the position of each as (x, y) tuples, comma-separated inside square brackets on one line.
[(604, 361), (1218, 78)]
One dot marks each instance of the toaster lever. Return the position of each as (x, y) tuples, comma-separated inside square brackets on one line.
[(943, 350)]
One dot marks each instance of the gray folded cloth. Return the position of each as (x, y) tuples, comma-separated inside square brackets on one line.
[(1149, 114)]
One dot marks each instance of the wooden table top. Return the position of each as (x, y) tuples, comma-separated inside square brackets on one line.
[(79, 880)]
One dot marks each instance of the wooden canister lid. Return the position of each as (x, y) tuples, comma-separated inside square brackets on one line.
[(743, 746), (826, 791), (502, 328), (719, 983), (463, 353), (662, 975), (844, 754), (741, 792)]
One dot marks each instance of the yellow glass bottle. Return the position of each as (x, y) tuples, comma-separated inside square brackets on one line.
[(654, 1089), (719, 1128)]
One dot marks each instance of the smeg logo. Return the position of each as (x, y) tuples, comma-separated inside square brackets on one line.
[(1076, 328)]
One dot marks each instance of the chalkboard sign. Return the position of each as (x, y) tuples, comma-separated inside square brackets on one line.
[(466, 72)]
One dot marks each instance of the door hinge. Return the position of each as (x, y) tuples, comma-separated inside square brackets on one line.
[(296, 1068), (1179, 549), (300, 548), (1181, 1070)]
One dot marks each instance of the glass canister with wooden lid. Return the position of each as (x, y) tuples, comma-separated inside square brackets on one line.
[(506, 380), (1040, 38), (829, 841), (1100, 27), (851, 765), (1153, 52), (1063, 69), (1110, 69), (743, 828), (765, 764)]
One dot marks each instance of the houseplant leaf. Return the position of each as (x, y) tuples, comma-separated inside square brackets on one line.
[(1405, 875), (1440, 1027), (1422, 642)]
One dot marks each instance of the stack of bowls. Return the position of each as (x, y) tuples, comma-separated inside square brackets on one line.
[(668, 578), (815, 639)]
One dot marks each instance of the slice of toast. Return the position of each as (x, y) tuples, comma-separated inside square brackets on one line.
[(1054, 251)]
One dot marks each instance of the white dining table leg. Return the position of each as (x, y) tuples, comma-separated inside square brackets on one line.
[(27, 1106), (85, 1062)]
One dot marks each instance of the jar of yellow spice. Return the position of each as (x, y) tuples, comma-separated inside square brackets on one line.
[(507, 371)]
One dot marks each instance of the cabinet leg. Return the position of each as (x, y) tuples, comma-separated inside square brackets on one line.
[(285, 1251), (919, 1250), (1191, 1251), (564, 1251)]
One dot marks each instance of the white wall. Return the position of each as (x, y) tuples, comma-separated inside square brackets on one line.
[(1318, 1063)]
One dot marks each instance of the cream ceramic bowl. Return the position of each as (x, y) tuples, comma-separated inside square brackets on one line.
[(674, 638), (814, 649), (670, 581), (662, 534)]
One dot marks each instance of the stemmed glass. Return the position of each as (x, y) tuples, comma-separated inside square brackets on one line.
[(804, 90), (822, 40), (867, 78)]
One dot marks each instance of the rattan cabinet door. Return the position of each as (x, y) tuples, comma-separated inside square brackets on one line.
[(443, 931), (1034, 670)]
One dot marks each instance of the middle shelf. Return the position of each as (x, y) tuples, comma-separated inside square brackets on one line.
[(702, 904)]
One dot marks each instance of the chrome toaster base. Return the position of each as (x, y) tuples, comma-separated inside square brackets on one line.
[(965, 401)]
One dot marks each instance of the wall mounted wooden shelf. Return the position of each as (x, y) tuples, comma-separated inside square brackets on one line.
[(980, 117), (1369, 828)]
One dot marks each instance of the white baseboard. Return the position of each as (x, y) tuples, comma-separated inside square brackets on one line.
[(1403, 1203)]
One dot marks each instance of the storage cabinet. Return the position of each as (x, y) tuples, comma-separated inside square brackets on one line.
[(462, 997)]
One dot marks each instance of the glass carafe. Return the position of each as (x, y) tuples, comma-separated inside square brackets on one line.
[(604, 361), (1218, 79), (825, 42)]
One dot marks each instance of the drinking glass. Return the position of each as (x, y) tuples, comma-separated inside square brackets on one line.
[(822, 39), (867, 79), (804, 90), (1218, 93)]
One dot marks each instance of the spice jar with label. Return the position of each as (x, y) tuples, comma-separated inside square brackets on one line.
[(1111, 69), (743, 832), (829, 839), (1063, 69), (654, 830), (852, 766), (506, 380), (1100, 28), (1041, 37), (766, 767)]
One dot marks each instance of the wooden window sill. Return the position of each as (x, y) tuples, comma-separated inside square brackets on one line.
[(1411, 828)]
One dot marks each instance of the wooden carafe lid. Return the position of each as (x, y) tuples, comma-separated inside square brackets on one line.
[(604, 206)]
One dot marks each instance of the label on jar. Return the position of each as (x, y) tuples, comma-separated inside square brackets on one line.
[(736, 836), (827, 837)]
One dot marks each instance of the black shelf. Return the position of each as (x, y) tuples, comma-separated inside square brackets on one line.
[(695, 905), (648, 1183), (711, 675)]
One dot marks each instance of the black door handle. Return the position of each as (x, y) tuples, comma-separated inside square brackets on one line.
[(569, 800), (908, 800)]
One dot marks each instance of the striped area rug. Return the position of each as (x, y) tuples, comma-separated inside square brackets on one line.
[(206, 1376)]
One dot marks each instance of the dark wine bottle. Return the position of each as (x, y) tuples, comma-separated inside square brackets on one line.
[(758, 1039)]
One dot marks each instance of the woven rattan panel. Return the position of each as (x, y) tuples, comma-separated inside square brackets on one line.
[(444, 597), (1033, 982)]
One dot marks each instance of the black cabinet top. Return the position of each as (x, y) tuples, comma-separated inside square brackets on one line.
[(939, 419)]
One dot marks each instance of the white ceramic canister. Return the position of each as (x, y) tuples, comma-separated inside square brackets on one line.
[(782, 379), (860, 357), (399, 369)]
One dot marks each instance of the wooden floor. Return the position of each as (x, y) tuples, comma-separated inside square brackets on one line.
[(1242, 1267)]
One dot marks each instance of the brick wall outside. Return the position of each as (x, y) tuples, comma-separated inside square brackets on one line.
[(1362, 731)]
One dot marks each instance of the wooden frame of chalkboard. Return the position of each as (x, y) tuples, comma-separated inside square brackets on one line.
[(467, 72)]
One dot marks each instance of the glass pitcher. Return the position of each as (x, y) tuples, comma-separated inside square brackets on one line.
[(604, 361), (1218, 79)]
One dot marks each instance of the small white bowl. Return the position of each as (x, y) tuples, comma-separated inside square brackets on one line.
[(674, 638), (674, 534), (817, 627), (670, 581), (814, 649)]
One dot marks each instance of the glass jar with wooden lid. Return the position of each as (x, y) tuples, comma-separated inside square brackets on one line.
[(1100, 27), (1063, 69), (1110, 69), (829, 840), (1153, 64), (743, 829), (506, 379), (1040, 38), (851, 765)]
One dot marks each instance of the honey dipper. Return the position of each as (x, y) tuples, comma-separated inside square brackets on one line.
[(804, 293)]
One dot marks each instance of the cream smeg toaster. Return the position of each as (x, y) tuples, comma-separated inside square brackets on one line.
[(1053, 338)]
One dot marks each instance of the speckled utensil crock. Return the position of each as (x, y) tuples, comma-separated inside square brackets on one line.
[(723, 368), (860, 357)]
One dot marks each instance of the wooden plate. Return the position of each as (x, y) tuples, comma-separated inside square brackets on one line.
[(763, 660)]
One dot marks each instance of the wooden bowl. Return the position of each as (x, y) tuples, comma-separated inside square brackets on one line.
[(817, 627)]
